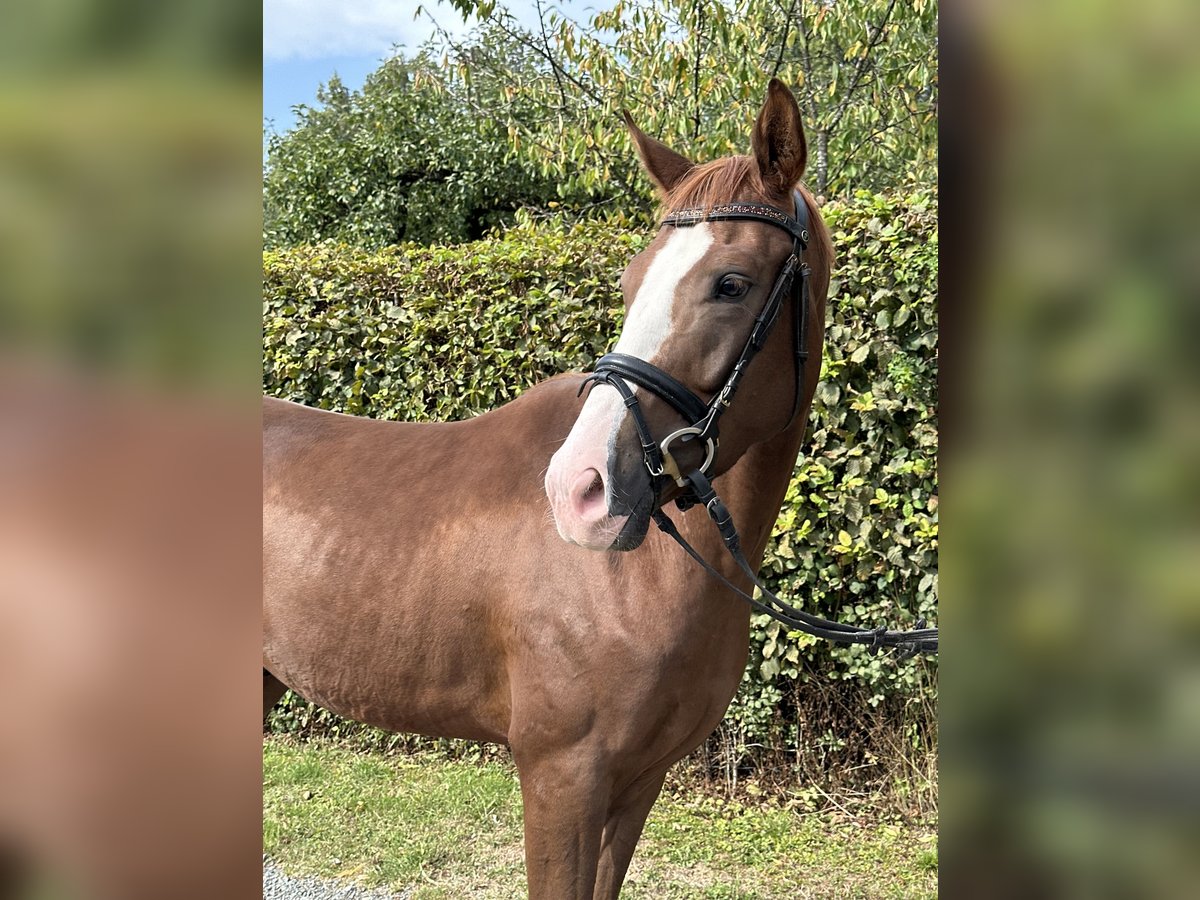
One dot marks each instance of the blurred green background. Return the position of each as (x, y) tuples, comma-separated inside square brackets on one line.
[(129, 173), (1071, 682)]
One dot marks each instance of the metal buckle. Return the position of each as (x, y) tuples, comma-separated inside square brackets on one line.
[(662, 469), (670, 467)]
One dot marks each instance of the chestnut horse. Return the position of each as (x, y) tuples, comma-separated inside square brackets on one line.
[(466, 579)]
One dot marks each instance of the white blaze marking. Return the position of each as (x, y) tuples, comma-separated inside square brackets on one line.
[(649, 321), (650, 315), (590, 443)]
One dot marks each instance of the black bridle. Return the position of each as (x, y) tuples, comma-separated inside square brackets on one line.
[(618, 369), (615, 369)]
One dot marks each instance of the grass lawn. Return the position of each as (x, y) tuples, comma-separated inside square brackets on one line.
[(452, 829)]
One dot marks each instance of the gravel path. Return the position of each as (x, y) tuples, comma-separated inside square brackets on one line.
[(278, 886)]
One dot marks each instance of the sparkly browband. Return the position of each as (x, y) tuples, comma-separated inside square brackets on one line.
[(685, 218)]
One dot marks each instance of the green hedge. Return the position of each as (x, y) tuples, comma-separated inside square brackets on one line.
[(434, 333)]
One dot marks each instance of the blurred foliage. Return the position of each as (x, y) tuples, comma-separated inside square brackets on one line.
[(189, 40), (1072, 721), (128, 188), (97, 264), (431, 333), (443, 146)]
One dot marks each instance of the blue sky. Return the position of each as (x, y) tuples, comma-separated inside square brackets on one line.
[(306, 41)]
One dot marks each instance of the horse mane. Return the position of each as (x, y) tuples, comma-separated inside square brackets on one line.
[(737, 178)]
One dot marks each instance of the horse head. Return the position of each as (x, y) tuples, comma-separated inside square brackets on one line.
[(693, 298)]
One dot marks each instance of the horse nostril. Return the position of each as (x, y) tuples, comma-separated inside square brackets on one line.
[(587, 495), (597, 486)]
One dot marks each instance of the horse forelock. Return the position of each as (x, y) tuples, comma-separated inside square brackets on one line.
[(720, 181)]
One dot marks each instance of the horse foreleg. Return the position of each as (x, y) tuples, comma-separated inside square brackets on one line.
[(273, 689), (626, 818), (566, 801)]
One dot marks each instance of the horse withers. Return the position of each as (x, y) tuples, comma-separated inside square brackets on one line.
[(496, 579)]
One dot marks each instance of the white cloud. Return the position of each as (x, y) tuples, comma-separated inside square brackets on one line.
[(314, 29)]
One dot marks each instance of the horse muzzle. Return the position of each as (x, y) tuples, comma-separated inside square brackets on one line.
[(599, 491)]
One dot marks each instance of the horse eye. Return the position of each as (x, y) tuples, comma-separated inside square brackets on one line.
[(732, 287)]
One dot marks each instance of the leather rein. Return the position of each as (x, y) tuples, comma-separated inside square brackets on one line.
[(619, 369)]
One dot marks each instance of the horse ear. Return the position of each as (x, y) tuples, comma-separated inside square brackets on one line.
[(778, 141), (664, 166)]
